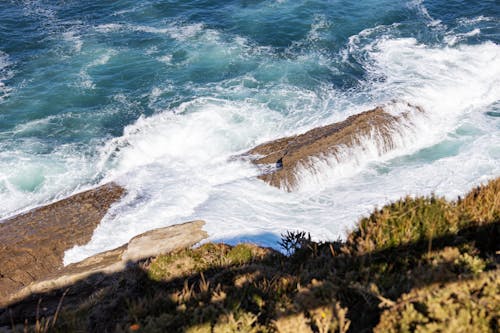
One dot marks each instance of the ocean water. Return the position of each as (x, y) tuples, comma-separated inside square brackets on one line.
[(160, 95)]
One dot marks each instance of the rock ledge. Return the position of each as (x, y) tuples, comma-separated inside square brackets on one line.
[(146, 245), (32, 244), (284, 157)]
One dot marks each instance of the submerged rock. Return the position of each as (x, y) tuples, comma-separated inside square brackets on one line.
[(32, 244), (284, 157)]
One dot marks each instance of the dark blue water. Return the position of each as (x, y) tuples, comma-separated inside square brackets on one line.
[(158, 95)]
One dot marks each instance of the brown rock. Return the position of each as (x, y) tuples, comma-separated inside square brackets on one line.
[(146, 245), (32, 244), (287, 154)]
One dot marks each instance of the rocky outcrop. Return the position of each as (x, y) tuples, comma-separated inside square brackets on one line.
[(286, 155), (32, 244), (164, 240), (146, 245)]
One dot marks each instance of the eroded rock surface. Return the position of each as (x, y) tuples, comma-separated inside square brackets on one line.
[(146, 245), (286, 155), (32, 244)]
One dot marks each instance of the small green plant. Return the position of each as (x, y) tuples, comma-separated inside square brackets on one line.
[(469, 263), (240, 254), (463, 306)]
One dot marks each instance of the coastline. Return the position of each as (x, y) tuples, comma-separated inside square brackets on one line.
[(455, 241), (250, 166)]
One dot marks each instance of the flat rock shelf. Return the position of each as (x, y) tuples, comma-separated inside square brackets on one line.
[(32, 244)]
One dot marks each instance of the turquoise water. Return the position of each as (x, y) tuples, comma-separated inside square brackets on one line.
[(158, 95)]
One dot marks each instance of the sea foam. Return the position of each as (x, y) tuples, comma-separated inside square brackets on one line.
[(5, 74)]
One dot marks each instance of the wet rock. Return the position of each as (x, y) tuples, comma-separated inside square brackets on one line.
[(285, 156), (32, 244)]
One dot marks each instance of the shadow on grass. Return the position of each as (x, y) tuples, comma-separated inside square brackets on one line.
[(248, 286)]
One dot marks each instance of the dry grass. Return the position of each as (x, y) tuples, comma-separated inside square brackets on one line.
[(465, 306)]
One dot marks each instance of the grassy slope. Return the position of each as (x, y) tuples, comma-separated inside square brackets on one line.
[(419, 264)]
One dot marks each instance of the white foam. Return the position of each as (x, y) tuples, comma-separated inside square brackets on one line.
[(28, 179), (447, 82), (476, 20), (129, 10), (455, 38), (473, 25), (422, 10), (102, 58), (37, 9), (320, 23), (5, 74), (155, 96), (73, 37), (167, 59), (174, 30), (109, 27)]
